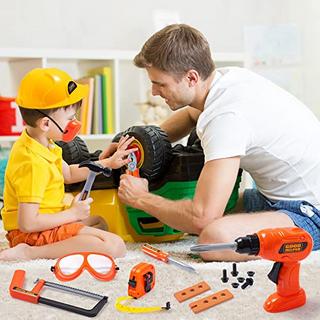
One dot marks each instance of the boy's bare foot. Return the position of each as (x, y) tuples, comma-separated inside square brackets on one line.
[(96, 222), (19, 252)]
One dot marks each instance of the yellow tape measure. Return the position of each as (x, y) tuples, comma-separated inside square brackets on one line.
[(131, 309)]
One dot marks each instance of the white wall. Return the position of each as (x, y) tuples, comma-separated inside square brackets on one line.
[(127, 24)]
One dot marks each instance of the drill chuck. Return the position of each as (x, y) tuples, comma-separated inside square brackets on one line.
[(249, 244)]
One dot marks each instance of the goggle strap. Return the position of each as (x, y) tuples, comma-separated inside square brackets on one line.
[(44, 114)]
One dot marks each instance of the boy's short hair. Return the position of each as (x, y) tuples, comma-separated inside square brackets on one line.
[(31, 116), (177, 49)]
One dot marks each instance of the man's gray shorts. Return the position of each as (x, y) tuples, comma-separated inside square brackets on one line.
[(303, 214)]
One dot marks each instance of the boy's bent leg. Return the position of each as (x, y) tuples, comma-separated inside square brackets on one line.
[(88, 239), (230, 227)]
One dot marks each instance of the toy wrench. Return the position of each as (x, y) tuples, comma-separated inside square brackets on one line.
[(132, 165), (164, 256)]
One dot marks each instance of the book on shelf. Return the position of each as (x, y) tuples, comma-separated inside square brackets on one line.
[(86, 110), (106, 98), (97, 111), (104, 104)]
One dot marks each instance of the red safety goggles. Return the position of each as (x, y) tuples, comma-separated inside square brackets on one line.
[(69, 267)]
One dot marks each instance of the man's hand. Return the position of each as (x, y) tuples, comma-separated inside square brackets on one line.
[(131, 189)]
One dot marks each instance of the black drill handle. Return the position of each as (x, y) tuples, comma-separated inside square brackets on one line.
[(68, 307)]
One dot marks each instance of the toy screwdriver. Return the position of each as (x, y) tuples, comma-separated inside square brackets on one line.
[(164, 256), (286, 246)]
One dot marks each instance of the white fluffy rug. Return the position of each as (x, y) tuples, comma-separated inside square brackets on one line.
[(247, 304)]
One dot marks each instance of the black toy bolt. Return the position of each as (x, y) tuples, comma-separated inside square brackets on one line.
[(224, 278), (249, 282), (234, 271)]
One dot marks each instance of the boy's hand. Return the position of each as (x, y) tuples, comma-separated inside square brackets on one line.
[(109, 151), (120, 157), (81, 209)]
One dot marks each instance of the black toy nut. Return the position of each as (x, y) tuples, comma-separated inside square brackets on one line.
[(235, 285), (249, 282), (250, 273), (224, 278), (234, 271), (241, 279)]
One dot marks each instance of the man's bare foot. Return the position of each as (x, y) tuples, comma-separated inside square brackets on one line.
[(19, 252)]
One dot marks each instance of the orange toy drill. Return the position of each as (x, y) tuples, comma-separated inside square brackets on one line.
[(286, 246)]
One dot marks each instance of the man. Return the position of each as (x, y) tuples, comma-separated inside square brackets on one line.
[(243, 121)]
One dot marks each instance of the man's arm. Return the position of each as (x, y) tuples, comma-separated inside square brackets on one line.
[(213, 190), (180, 123)]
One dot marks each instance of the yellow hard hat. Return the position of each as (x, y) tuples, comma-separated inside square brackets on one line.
[(46, 88)]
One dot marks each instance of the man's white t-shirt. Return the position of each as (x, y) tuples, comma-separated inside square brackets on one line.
[(276, 136)]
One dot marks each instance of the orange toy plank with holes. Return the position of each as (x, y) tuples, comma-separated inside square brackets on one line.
[(210, 301), (192, 291)]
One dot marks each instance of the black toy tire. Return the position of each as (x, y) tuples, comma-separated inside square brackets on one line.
[(75, 151), (157, 150), (117, 137)]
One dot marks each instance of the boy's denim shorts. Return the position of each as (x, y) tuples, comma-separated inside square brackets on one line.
[(303, 214)]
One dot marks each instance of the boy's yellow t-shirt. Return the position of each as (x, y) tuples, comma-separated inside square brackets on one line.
[(33, 175)]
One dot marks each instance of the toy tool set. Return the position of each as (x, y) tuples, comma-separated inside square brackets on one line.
[(210, 301), (133, 169), (192, 291), (101, 266), (164, 256), (17, 291), (95, 168), (285, 246), (203, 303), (141, 281)]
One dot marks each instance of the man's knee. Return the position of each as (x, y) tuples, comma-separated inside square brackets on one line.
[(215, 232)]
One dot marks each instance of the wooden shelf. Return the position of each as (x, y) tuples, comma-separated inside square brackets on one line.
[(10, 54), (130, 83), (88, 137)]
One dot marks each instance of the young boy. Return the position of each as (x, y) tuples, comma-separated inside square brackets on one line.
[(39, 224)]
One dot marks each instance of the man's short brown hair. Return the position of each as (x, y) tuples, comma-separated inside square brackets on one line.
[(177, 49), (31, 116)]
